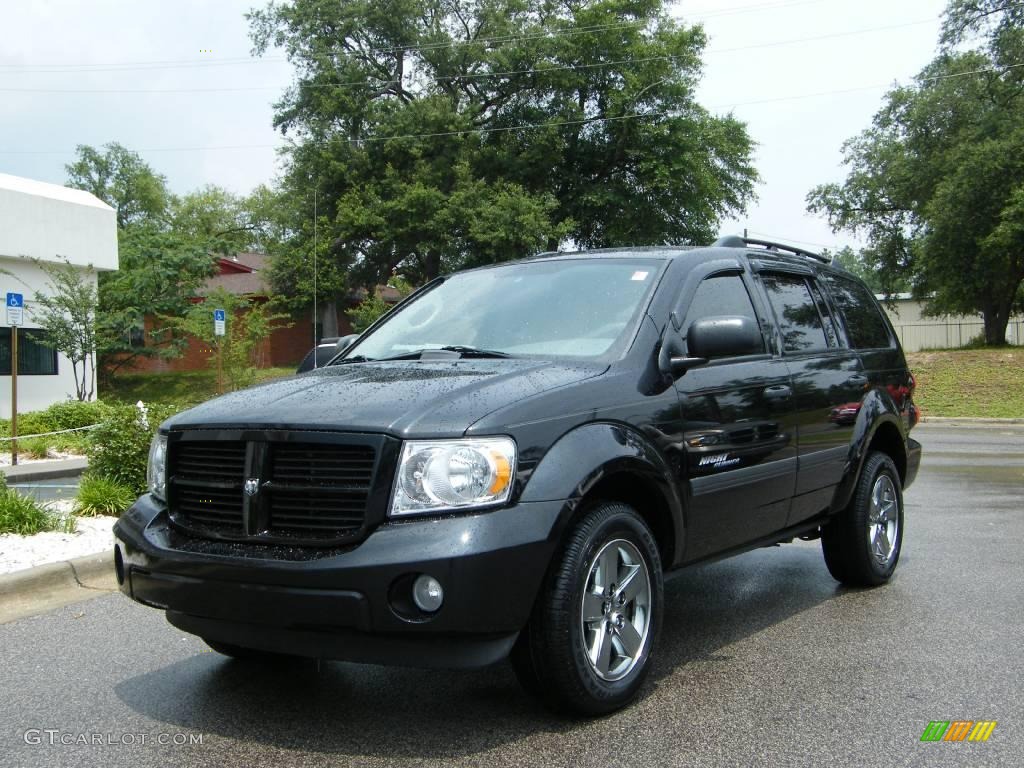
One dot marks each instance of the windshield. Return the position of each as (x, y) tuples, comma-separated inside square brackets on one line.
[(579, 308)]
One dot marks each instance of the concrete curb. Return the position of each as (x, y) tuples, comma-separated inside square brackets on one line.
[(968, 420), (48, 470), (45, 587)]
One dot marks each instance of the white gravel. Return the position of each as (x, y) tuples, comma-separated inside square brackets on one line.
[(52, 454), (92, 536)]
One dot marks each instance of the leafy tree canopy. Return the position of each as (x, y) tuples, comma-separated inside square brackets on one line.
[(121, 179), (936, 183), (433, 135)]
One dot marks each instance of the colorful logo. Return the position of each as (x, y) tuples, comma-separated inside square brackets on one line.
[(958, 730)]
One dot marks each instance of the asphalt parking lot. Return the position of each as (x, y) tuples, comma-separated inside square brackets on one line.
[(764, 661)]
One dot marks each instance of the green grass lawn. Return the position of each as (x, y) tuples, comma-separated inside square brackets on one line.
[(181, 388), (970, 382)]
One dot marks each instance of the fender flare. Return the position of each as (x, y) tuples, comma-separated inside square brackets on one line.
[(877, 409), (591, 453)]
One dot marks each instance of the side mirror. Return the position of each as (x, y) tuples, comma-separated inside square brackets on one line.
[(345, 342), (724, 336)]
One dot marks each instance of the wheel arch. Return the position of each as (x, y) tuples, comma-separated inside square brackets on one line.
[(878, 428), (613, 462)]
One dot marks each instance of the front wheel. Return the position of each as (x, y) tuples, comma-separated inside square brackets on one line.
[(587, 647), (862, 544)]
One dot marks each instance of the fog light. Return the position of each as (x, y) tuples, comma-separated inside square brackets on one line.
[(427, 593)]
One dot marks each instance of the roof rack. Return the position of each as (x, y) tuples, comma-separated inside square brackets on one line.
[(735, 241)]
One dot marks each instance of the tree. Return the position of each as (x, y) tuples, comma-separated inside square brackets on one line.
[(433, 135), (67, 312), (236, 353), (121, 179), (158, 275), (222, 221), (858, 264), (366, 312), (936, 184)]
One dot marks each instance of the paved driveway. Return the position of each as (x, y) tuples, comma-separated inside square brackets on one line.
[(764, 661)]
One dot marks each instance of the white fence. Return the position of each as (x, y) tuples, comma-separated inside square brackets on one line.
[(949, 334), (917, 332)]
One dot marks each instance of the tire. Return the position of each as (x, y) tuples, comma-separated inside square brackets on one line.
[(241, 653), (862, 544), (553, 656)]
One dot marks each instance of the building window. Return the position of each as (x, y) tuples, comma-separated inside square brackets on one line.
[(34, 357)]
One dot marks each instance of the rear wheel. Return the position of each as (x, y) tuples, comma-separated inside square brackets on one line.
[(862, 544), (588, 644)]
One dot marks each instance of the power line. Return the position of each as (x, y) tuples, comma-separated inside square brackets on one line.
[(372, 83), (62, 67), (471, 75), (552, 124)]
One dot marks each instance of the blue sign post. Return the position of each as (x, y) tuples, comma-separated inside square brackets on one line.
[(15, 317)]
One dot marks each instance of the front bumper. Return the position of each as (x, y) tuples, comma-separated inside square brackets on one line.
[(349, 604)]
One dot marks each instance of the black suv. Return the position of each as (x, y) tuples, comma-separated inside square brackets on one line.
[(510, 460)]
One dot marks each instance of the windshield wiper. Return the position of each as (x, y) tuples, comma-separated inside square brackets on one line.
[(475, 351), (463, 351), (353, 359)]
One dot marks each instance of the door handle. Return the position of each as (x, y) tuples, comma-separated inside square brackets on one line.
[(858, 379), (778, 392)]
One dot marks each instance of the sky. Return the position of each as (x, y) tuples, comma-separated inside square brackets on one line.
[(804, 75)]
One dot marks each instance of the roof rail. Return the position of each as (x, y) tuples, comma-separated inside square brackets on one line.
[(735, 241)]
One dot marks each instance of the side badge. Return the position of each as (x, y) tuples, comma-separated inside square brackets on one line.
[(718, 461)]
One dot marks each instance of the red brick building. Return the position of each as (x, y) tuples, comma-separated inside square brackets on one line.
[(245, 274)]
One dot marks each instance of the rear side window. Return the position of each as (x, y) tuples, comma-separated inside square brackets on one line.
[(864, 323), (720, 295), (796, 313)]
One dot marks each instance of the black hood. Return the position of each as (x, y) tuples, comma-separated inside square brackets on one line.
[(403, 398)]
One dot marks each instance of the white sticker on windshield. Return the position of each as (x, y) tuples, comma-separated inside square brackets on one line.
[(639, 276)]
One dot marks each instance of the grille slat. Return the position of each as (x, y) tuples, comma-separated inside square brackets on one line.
[(310, 491)]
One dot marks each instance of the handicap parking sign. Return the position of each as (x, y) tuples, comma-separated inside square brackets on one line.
[(15, 309), (218, 322)]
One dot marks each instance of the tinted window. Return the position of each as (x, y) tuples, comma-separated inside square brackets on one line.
[(34, 357), (831, 334), (720, 295), (795, 312), (864, 323)]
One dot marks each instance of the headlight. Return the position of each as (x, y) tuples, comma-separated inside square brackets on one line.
[(440, 475), (156, 475)]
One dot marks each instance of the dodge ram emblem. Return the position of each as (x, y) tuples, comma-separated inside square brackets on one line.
[(252, 486)]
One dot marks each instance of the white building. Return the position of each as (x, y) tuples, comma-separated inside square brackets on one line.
[(48, 223)]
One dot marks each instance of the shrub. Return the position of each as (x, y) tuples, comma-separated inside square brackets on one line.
[(102, 496), (67, 415), (73, 414), (118, 449), (24, 515)]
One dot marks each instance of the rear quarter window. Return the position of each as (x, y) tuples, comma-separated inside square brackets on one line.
[(865, 325)]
